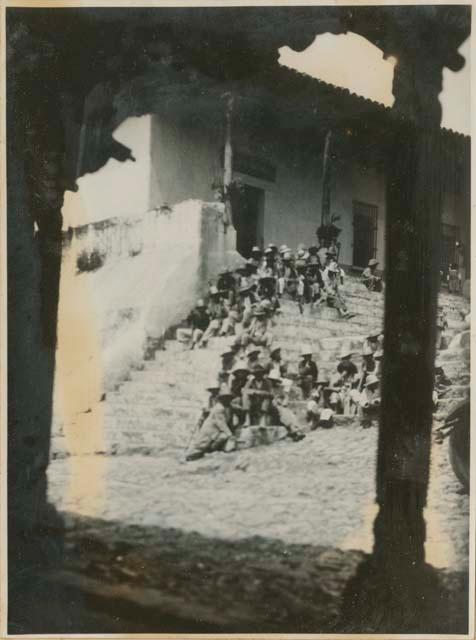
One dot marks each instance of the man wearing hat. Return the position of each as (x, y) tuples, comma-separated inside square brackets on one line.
[(318, 403), (441, 326), (331, 291), (279, 411), (369, 403), (227, 362), (215, 434), (307, 372), (198, 321), (275, 363), (258, 332), (367, 366), (256, 255), (370, 279), (213, 389), (256, 396), (217, 313)]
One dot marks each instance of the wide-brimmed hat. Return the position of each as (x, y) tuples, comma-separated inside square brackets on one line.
[(373, 262), (268, 251), (305, 351), (367, 351), (244, 288), (275, 377), (374, 335), (240, 366), (258, 312), (371, 380), (227, 352), (225, 391), (275, 350), (258, 368), (321, 379), (283, 248), (214, 291), (272, 246), (287, 255), (256, 249), (346, 352), (300, 253), (378, 355), (213, 386), (201, 303)]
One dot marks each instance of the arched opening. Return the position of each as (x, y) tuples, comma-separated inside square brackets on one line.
[(210, 523)]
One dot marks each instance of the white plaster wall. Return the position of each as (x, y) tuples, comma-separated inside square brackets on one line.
[(119, 189), (186, 160)]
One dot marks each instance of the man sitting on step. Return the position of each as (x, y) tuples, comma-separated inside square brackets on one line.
[(215, 434), (318, 412), (307, 372), (279, 411), (217, 313), (227, 362), (370, 279), (198, 321), (369, 401), (256, 397), (331, 292)]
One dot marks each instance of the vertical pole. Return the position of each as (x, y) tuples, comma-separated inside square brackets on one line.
[(394, 590), (326, 178), (228, 159)]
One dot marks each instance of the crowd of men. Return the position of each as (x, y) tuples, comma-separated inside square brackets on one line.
[(254, 383)]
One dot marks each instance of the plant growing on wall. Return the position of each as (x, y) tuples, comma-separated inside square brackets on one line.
[(328, 233), (90, 260)]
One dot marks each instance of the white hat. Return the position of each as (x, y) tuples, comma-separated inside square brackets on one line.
[(371, 380)]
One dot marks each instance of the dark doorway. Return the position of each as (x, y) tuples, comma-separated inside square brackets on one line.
[(365, 233), (248, 210)]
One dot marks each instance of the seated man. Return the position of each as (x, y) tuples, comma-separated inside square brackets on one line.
[(370, 279), (215, 433), (275, 363), (217, 313), (227, 363), (318, 411), (307, 372), (213, 389), (369, 402), (198, 321), (258, 332), (280, 413), (256, 397), (368, 365), (331, 293), (287, 281)]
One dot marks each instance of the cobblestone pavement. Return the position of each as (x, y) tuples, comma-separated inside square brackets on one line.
[(318, 491)]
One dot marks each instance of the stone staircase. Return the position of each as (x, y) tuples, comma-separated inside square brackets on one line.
[(155, 410)]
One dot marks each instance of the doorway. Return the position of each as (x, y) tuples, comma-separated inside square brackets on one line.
[(248, 214), (365, 233)]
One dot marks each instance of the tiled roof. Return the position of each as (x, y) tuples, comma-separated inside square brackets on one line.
[(289, 76)]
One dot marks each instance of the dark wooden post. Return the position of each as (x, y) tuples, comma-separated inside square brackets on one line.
[(396, 591), (326, 178), (228, 159)]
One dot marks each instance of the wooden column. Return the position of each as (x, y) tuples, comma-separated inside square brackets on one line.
[(396, 591), (228, 159), (326, 179)]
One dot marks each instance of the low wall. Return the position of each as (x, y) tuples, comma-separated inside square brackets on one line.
[(125, 282)]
